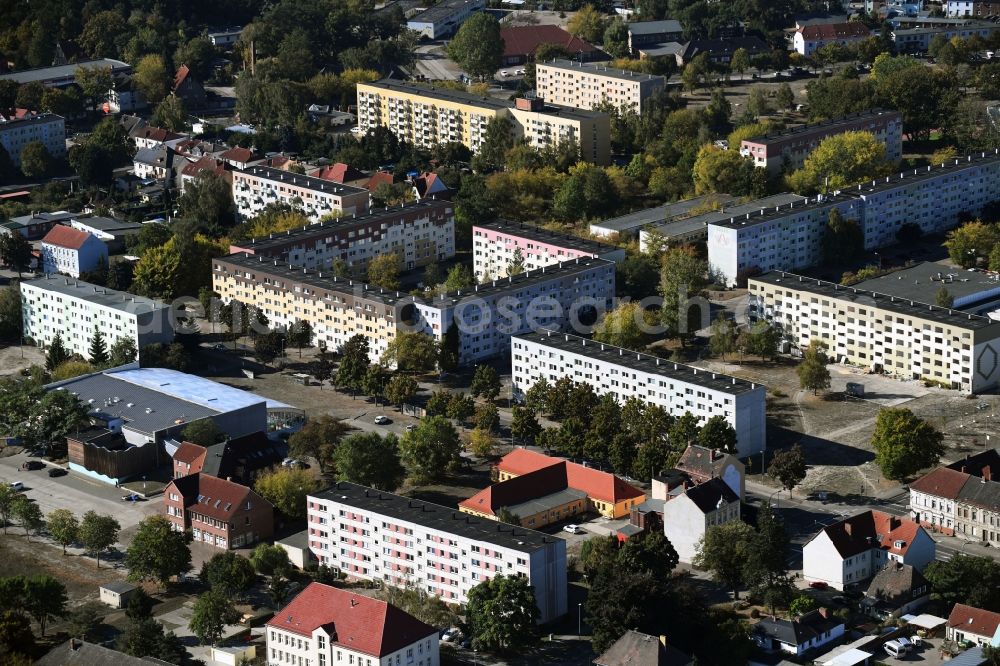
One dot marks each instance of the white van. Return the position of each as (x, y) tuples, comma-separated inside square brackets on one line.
[(16, 486), (894, 649)]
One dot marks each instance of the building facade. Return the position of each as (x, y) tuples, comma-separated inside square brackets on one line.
[(977, 8), (788, 150), (418, 233), (327, 626), (973, 625), (257, 186), (373, 535), (70, 252), (811, 38), (74, 310), (962, 499), (689, 512), (46, 128), (495, 246), (627, 374), (849, 552), (542, 126), (218, 512), (585, 85), (935, 198), (444, 19), (898, 337)]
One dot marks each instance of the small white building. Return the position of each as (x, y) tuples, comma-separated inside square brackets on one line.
[(975, 625), (71, 251), (853, 550), (327, 626), (74, 310), (798, 635), (689, 512), (117, 593)]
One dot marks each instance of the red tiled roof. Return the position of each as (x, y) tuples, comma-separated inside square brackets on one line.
[(828, 31), (354, 621), (67, 237), (182, 73), (188, 452), (520, 489), (522, 40), (238, 154), (377, 179), (157, 134), (338, 173), (872, 529), (597, 484), (220, 499), (974, 620), (205, 163), (941, 482)]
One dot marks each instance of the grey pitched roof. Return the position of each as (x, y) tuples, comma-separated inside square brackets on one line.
[(981, 493), (799, 630), (896, 583), (654, 27), (78, 653), (638, 649), (707, 496), (119, 586)]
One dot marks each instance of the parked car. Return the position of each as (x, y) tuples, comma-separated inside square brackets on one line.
[(17, 486), (818, 585), (57, 471), (219, 346), (411, 426), (131, 497), (916, 641), (572, 529), (894, 649), (382, 420), (32, 465)]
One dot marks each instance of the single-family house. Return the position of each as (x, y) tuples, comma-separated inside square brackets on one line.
[(851, 551), (898, 589), (811, 38), (799, 635), (71, 251), (635, 648), (973, 625), (690, 510), (188, 88), (701, 464)]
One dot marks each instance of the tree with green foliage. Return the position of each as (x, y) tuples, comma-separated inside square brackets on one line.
[(629, 326), (212, 611), (270, 560), (229, 573), (383, 271), (766, 567), (812, 371), (477, 46), (353, 363), (11, 320), (842, 239), (487, 417), (322, 368), (461, 407), (170, 114), (98, 533), (904, 444), (300, 334), (966, 579), (56, 354), (157, 552), (29, 514), (209, 200), (839, 161), (36, 162), (202, 432), (430, 450), (64, 527), (287, 488), (784, 97), (740, 61), (724, 551), (15, 250), (723, 340), (7, 497), (98, 352), (502, 614), (482, 442), (944, 298), (54, 415), (788, 467), (151, 79), (682, 277), (459, 277), (802, 604), (370, 460), (524, 426), (588, 24), (85, 619), (400, 390), (411, 351), (536, 398), (448, 353), (319, 439), (437, 405), (972, 243), (122, 351), (718, 434), (485, 383)]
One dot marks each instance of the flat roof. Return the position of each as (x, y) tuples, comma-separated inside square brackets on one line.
[(565, 111), (443, 11), (821, 126), (654, 27), (601, 351), (602, 70), (62, 71), (326, 227), (108, 224), (38, 218), (904, 306), (923, 280), (662, 213), (441, 94), (533, 232), (755, 206), (759, 214), (33, 119), (92, 293), (436, 516), (300, 180)]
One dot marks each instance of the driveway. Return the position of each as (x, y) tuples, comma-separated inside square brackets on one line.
[(177, 621)]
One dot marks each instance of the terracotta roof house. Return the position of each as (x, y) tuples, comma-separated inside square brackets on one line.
[(428, 184), (146, 136), (191, 170), (962, 499), (340, 173), (240, 459), (635, 648), (218, 512), (378, 178), (541, 490), (324, 620), (815, 36), (521, 41), (188, 88), (975, 625), (897, 589), (800, 635), (241, 158), (849, 552), (71, 251)]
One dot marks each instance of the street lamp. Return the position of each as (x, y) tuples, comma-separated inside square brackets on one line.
[(579, 619)]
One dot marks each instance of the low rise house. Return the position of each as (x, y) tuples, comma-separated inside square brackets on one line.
[(35, 225), (147, 136), (218, 512), (635, 648), (689, 511), (117, 593), (721, 51), (799, 635), (240, 459), (111, 231), (521, 41), (811, 38), (849, 552), (188, 88), (898, 589), (702, 464), (70, 251), (973, 625), (75, 652), (444, 19), (643, 34), (962, 499), (325, 625), (541, 490)]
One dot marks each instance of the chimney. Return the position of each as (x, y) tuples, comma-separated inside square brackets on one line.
[(824, 612), (987, 473), (353, 603), (663, 640), (847, 528), (73, 645)]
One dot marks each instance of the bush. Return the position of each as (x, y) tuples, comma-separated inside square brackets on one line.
[(754, 613)]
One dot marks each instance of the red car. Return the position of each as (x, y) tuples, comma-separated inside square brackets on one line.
[(818, 585)]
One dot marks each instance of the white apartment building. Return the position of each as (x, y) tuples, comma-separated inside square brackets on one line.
[(495, 246), (625, 374), (418, 233), (16, 132), (328, 626), (59, 305), (70, 251), (935, 198), (257, 186), (886, 334), (851, 551), (688, 513), (585, 85), (544, 126), (373, 535)]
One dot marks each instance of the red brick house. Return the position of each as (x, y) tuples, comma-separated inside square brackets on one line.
[(241, 459), (218, 512)]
